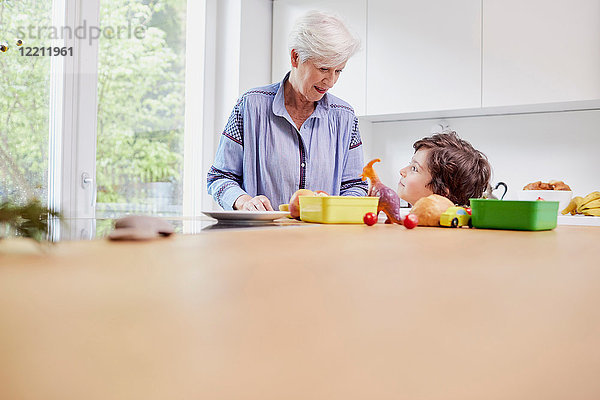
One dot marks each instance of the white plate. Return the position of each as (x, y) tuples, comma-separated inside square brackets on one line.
[(562, 196), (246, 216)]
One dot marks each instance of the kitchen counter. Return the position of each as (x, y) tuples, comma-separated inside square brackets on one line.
[(310, 312)]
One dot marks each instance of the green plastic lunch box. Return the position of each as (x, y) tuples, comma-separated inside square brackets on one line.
[(535, 215)]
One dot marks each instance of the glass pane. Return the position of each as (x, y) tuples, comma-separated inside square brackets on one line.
[(24, 99), (141, 98)]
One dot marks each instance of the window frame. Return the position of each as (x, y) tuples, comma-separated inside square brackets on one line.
[(74, 116)]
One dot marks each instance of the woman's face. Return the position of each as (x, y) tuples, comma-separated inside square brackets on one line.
[(313, 80), (414, 178)]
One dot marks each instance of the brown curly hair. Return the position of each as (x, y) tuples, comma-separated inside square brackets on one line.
[(458, 171)]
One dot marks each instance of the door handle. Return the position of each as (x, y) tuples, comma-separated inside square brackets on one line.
[(86, 181)]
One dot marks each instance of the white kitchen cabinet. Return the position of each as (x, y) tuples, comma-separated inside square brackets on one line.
[(351, 86), (539, 51), (423, 55)]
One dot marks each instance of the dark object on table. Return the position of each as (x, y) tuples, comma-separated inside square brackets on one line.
[(488, 191), (140, 227)]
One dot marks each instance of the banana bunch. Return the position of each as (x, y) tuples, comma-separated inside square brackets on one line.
[(588, 205)]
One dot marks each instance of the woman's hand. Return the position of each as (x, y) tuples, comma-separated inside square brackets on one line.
[(249, 203)]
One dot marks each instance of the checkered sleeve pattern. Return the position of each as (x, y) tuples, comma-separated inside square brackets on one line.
[(234, 129), (224, 180), (355, 139)]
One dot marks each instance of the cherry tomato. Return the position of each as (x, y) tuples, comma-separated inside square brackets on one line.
[(370, 218), (468, 209), (540, 199), (410, 221)]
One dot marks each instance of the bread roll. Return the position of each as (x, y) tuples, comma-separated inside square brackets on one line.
[(559, 185), (429, 209), (552, 185)]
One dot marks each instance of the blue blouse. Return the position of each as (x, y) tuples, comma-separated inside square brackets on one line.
[(261, 151)]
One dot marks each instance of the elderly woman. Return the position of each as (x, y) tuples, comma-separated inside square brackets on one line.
[(293, 134)]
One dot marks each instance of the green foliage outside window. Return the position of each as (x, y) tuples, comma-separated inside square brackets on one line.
[(24, 94), (140, 99)]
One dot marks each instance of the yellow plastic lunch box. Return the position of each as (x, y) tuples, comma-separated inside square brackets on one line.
[(336, 209)]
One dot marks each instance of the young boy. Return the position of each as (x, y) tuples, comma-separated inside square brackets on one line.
[(446, 165)]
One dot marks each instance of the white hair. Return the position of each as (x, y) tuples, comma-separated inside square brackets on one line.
[(323, 38)]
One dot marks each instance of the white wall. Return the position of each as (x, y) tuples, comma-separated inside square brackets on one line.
[(521, 148), (423, 55), (227, 72), (243, 51), (238, 57), (255, 46), (540, 51), (242, 57)]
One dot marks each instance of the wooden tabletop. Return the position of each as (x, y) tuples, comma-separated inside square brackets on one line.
[(306, 312)]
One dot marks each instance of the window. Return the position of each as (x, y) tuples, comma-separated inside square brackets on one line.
[(102, 126), (141, 107)]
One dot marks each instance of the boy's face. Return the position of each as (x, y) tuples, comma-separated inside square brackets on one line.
[(414, 178)]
